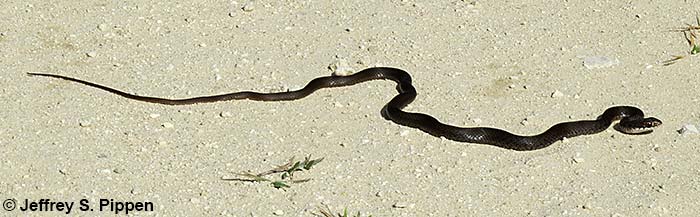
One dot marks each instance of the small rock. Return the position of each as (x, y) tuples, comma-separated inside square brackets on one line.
[(688, 129), (596, 62), (154, 115), (524, 122), (341, 68), (400, 205), (91, 54), (249, 6), (102, 26), (278, 212), (225, 114), (556, 94), (168, 125), (577, 158), (84, 123)]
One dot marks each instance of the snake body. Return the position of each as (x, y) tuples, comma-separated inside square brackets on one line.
[(631, 119)]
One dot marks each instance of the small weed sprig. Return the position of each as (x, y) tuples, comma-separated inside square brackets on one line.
[(287, 170), (326, 212), (690, 37)]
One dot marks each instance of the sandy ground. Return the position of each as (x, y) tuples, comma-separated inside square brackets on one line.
[(475, 63)]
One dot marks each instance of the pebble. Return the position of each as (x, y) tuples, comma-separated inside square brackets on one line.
[(225, 114), (102, 26), (596, 62), (168, 125), (688, 129), (577, 158), (556, 94), (278, 212), (249, 6), (341, 68), (154, 115), (84, 123), (524, 122), (91, 54), (400, 205)]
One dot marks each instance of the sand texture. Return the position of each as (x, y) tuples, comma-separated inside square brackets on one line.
[(506, 64)]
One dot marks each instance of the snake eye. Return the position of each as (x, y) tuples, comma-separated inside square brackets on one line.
[(651, 122)]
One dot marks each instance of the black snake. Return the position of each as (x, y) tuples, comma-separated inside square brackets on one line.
[(631, 119)]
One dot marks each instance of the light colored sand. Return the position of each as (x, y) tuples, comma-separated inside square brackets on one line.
[(463, 58)]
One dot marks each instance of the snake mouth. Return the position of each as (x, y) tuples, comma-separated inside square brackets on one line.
[(645, 126)]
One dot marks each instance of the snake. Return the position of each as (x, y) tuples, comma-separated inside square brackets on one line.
[(627, 119)]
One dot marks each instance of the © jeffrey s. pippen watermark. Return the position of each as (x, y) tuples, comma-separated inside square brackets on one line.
[(84, 205)]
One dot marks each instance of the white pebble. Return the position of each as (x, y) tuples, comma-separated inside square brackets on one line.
[(596, 62), (524, 122), (400, 205), (249, 6), (577, 158), (278, 212), (102, 26), (168, 125), (154, 115), (91, 54), (341, 68), (225, 114), (556, 94), (688, 129), (84, 123)]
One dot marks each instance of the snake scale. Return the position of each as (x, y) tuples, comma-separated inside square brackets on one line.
[(631, 119)]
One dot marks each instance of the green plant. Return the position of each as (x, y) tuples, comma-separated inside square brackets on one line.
[(287, 173)]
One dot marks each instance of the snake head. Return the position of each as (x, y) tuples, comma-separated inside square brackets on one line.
[(638, 126)]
